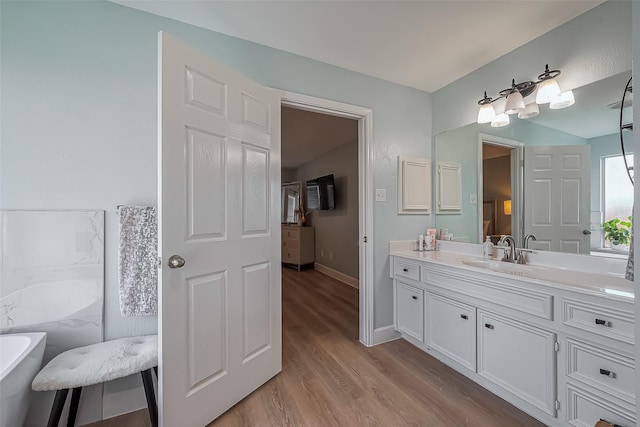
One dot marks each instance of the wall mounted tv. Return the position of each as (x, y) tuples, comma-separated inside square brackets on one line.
[(321, 193)]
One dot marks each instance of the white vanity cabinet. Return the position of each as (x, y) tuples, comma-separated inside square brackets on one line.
[(600, 375), (451, 329), (561, 355), (519, 358), (409, 313)]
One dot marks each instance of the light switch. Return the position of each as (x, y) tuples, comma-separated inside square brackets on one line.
[(381, 195), (473, 199)]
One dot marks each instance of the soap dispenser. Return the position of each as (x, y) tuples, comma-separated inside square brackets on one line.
[(487, 248)]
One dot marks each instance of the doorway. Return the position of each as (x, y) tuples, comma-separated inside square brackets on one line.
[(364, 118), (499, 187)]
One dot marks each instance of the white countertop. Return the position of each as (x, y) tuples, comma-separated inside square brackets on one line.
[(607, 284)]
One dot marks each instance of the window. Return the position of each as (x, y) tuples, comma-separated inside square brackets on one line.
[(617, 191)]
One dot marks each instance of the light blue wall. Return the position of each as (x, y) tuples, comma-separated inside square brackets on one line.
[(588, 48), (79, 119)]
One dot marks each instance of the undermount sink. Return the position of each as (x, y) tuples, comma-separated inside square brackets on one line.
[(503, 267), (613, 283)]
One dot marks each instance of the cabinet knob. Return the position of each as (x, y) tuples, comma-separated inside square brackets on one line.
[(608, 373), (464, 316), (488, 325), (414, 297), (603, 323)]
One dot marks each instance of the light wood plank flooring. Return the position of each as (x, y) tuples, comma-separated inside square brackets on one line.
[(330, 379)]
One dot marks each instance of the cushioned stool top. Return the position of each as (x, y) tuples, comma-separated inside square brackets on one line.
[(97, 363)]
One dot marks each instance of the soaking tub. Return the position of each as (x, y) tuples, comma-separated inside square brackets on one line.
[(20, 360)]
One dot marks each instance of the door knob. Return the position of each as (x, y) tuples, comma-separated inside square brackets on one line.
[(586, 232), (176, 261)]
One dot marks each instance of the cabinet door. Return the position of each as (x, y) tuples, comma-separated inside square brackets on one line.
[(414, 185), (519, 358), (451, 329), (409, 311)]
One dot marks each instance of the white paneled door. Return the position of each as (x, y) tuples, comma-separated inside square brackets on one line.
[(219, 188), (557, 197)]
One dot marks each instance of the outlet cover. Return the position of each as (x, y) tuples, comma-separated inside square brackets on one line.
[(381, 195), (473, 199)]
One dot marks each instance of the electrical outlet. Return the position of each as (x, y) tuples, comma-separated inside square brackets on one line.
[(321, 253), (381, 195), (473, 199), (330, 255)]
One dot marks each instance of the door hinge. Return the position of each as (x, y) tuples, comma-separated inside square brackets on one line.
[(365, 239), (556, 346), (557, 405)]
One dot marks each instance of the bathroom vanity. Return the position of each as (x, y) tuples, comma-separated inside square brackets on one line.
[(557, 343)]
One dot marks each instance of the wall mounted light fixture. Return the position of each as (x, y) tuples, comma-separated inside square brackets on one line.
[(548, 93)]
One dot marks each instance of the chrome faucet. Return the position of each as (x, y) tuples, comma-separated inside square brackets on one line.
[(509, 255), (530, 236)]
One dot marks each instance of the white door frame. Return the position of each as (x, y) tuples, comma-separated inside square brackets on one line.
[(517, 208), (365, 193)]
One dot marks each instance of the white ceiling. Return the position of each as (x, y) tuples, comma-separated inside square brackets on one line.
[(420, 44)]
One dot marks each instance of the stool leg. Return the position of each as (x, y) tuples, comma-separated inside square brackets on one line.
[(155, 369), (147, 381), (73, 409), (56, 409)]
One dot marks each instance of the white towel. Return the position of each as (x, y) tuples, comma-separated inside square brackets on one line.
[(138, 260)]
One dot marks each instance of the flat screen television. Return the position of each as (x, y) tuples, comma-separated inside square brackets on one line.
[(321, 194)]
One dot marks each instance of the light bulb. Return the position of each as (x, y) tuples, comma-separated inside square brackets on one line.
[(486, 113), (564, 100), (500, 120), (547, 89)]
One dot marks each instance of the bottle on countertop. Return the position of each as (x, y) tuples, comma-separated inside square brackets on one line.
[(487, 248)]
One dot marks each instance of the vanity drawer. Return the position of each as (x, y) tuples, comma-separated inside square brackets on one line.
[(586, 408), (602, 369), (406, 269), (601, 320)]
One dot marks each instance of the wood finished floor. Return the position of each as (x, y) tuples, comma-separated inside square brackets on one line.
[(329, 379)]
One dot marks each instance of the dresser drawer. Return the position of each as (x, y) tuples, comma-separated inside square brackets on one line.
[(292, 233), (290, 244), (290, 255), (406, 269), (601, 320), (586, 408)]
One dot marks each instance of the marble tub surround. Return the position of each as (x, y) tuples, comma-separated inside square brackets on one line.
[(52, 280), (597, 276)]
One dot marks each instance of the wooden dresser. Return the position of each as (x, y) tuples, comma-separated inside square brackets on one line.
[(298, 245)]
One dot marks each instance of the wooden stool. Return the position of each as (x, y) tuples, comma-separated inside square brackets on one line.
[(96, 364)]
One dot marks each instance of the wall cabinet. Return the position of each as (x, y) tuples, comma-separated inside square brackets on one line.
[(298, 246), (519, 358), (414, 185), (451, 329)]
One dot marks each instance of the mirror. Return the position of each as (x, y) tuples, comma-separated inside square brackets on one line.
[(290, 197), (592, 123)]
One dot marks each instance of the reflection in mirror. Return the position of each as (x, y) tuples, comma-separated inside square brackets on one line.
[(290, 196), (583, 139)]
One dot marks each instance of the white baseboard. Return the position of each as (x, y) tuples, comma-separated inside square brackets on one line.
[(341, 277), (385, 334)]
